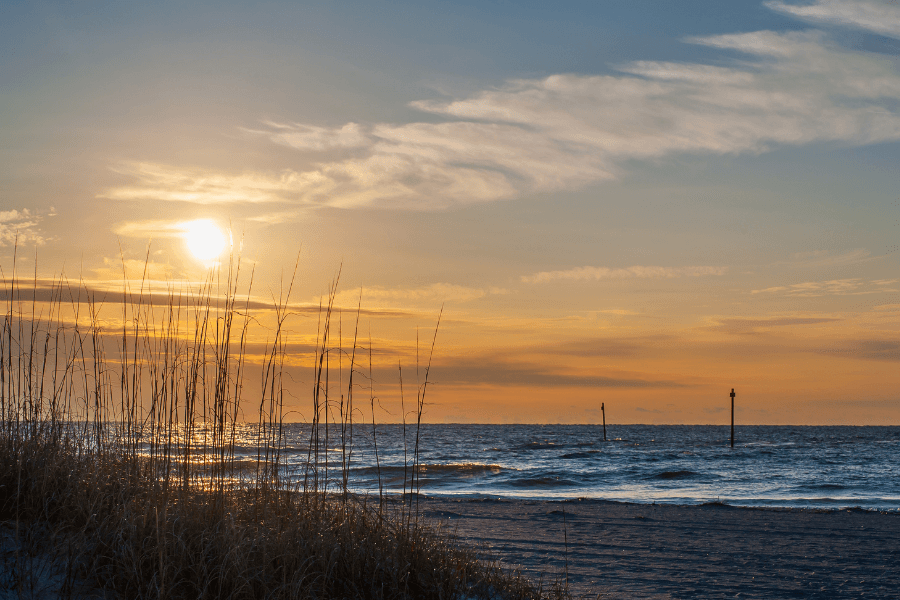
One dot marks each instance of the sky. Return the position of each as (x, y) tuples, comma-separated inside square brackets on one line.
[(640, 204)]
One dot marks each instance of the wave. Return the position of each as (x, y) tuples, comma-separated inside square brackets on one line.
[(449, 468), (541, 482), (539, 446), (675, 475), (587, 454), (824, 486), (467, 468), (548, 445)]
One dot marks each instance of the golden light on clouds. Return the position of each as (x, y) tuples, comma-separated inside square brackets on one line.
[(640, 225)]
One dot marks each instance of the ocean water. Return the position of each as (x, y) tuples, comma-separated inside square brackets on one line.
[(786, 466)]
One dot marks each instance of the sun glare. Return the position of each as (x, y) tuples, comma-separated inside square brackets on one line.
[(204, 239)]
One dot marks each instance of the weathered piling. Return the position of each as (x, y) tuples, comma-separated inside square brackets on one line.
[(603, 410), (732, 417)]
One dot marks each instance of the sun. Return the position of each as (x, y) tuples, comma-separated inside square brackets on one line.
[(204, 239)]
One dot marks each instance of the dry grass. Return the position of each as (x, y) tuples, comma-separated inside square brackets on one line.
[(118, 473)]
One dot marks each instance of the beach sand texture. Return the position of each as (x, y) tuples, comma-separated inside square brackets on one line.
[(665, 551)]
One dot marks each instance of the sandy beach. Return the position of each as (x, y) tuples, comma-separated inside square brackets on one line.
[(624, 550), (619, 550)]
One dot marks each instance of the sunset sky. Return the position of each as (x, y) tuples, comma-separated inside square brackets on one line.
[(638, 203)]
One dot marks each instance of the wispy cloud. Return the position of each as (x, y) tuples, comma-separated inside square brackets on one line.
[(158, 182), (832, 287), (607, 346), (748, 325), (567, 131), (132, 269), (879, 17), (157, 289), (159, 228), (435, 293), (22, 225), (636, 272), (823, 258), (310, 137), (490, 371), (275, 217), (866, 349)]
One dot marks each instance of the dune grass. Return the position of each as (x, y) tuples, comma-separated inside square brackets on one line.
[(119, 415)]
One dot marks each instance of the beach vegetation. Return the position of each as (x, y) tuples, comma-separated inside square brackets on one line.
[(120, 414)]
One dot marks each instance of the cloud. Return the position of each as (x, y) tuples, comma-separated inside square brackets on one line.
[(832, 287), (619, 312), (110, 288), (310, 137), (134, 270), (606, 346), (157, 229), (195, 185), (754, 325), (866, 349), (823, 258), (22, 226), (878, 17), (567, 131), (489, 371), (434, 293), (636, 272), (276, 217)]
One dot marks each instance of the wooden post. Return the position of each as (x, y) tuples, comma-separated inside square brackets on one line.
[(603, 410), (732, 417)]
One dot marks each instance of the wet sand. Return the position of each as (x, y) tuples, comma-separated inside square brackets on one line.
[(662, 551)]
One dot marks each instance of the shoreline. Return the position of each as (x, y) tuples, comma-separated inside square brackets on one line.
[(658, 551), (812, 504)]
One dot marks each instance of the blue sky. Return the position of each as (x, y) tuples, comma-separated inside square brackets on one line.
[(672, 178)]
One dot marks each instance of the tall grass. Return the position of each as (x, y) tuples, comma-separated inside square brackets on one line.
[(120, 412)]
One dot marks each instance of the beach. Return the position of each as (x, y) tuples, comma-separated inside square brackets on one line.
[(623, 550), (647, 551)]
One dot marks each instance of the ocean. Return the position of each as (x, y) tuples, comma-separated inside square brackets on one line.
[(784, 466)]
